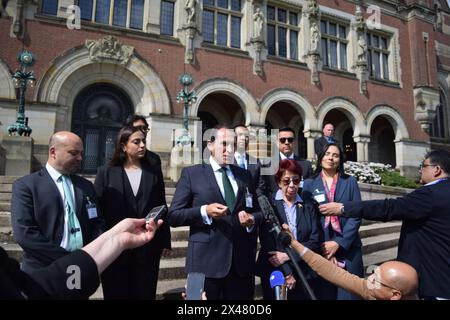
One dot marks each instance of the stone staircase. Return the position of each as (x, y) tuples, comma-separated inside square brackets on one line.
[(379, 244)]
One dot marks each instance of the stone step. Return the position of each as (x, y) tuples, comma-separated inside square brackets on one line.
[(378, 257), (13, 249), (179, 249), (8, 179), (376, 229), (179, 233), (380, 242), (5, 219), (6, 235), (172, 268), (170, 191), (5, 206), (6, 187), (5, 196)]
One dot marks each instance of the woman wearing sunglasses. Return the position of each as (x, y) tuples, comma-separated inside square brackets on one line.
[(342, 244), (304, 225)]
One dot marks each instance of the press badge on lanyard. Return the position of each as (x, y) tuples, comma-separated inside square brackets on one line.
[(319, 196), (248, 199), (91, 209)]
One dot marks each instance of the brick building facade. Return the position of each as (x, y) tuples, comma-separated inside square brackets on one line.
[(378, 70)]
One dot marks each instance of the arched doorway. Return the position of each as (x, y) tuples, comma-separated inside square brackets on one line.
[(99, 112), (219, 109), (343, 132), (382, 146), (283, 114)]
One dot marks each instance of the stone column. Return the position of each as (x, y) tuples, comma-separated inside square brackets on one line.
[(19, 155), (362, 148), (311, 136), (409, 154)]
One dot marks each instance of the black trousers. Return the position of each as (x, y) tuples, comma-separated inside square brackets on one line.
[(231, 287), (132, 278)]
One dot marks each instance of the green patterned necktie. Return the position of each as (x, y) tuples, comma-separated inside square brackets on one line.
[(230, 198), (75, 236)]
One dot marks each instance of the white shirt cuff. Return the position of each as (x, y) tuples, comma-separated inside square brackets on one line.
[(206, 219)]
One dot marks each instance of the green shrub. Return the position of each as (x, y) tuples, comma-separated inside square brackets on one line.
[(394, 179)]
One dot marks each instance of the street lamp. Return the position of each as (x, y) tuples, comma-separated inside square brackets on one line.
[(21, 79), (188, 98)]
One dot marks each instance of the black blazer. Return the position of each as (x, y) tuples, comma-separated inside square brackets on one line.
[(254, 167), (37, 216), (320, 143), (213, 248), (272, 185), (117, 201), (308, 234), (425, 234)]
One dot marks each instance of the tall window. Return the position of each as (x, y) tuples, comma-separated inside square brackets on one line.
[(121, 13), (282, 32), (166, 19), (50, 7), (378, 55), (222, 22), (438, 126), (334, 44)]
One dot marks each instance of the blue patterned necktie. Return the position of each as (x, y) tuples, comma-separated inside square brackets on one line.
[(75, 236)]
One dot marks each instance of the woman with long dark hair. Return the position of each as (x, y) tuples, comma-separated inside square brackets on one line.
[(304, 225), (342, 244), (129, 187)]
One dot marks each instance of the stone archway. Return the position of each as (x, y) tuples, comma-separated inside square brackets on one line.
[(77, 68), (7, 89), (387, 129), (349, 124), (285, 107)]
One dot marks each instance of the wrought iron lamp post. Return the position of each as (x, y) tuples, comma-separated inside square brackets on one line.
[(21, 79), (188, 98)]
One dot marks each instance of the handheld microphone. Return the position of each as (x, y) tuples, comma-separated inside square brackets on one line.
[(269, 215), (276, 281)]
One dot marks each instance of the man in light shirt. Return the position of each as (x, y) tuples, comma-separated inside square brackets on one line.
[(246, 161), (218, 202), (53, 210)]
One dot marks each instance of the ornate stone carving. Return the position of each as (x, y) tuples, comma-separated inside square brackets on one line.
[(359, 27), (258, 23), (109, 48), (426, 99), (190, 8), (313, 59)]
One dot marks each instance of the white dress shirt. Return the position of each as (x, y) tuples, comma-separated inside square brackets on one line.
[(55, 175), (283, 157), (239, 158)]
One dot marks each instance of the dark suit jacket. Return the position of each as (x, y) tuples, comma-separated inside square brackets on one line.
[(212, 249), (349, 242), (425, 234), (320, 143), (272, 185), (254, 167), (308, 234), (37, 216), (49, 282), (117, 201)]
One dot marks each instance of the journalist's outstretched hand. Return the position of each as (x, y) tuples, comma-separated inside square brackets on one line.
[(127, 234)]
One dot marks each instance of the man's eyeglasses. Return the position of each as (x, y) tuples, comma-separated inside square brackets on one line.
[(372, 279), (283, 140), (287, 181), (421, 166)]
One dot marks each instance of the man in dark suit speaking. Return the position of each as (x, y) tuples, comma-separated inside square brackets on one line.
[(53, 210), (218, 202), (425, 234)]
